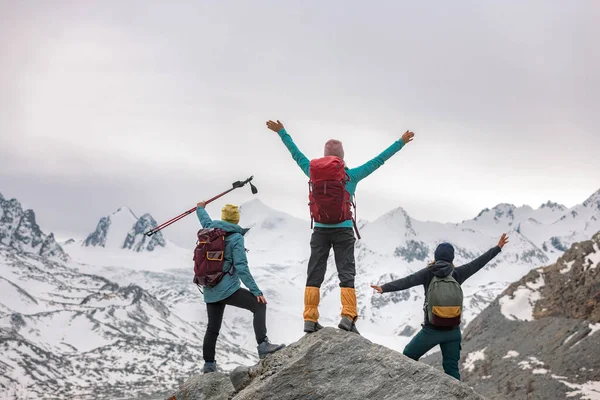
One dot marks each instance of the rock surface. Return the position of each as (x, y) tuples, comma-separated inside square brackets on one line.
[(215, 386), (333, 364)]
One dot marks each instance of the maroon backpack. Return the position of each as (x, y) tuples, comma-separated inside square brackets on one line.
[(208, 257), (329, 201)]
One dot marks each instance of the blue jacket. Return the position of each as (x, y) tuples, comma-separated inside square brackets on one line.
[(355, 174), (235, 253)]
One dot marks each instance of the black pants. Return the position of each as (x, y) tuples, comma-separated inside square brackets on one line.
[(323, 239), (242, 299)]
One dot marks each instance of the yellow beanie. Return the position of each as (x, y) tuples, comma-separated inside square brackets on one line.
[(230, 213)]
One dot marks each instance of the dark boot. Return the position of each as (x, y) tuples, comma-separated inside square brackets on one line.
[(209, 367), (348, 325), (266, 348), (310, 326)]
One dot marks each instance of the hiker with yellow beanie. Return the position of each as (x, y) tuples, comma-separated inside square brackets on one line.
[(229, 291), (335, 199)]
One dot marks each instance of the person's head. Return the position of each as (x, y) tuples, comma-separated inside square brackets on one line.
[(334, 148), (444, 252), (230, 213)]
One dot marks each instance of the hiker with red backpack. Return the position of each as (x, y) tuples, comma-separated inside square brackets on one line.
[(331, 196), (220, 264), (443, 303)]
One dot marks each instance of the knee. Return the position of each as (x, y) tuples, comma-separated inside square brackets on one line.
[(410, 354), (212, 331)]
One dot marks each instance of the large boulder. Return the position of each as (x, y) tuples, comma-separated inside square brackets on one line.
[(333, 364)]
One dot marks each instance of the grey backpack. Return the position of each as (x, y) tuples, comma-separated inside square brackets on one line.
[(444, 301)]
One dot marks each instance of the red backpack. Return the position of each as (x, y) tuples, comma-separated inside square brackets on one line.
[(208, 257), (329, 201)]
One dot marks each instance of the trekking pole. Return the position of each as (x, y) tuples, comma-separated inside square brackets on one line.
[(235, 185)]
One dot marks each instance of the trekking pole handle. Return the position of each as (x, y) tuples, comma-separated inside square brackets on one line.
[(235, 185)]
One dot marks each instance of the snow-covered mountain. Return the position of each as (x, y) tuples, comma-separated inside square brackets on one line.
[(392, 246), (71, 334), (123, 230), (20, 231)]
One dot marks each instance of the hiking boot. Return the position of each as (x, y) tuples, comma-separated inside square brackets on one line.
[(209, 367), (348, 325), (310, 326), (266, 348)]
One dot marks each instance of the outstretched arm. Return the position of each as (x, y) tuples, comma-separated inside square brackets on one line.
[(297, 155), (418, 278), (360, 173), (464, 272), (203, 216), (240, 263)]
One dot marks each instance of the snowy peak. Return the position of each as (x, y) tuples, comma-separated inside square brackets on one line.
[(501, 212), (396, 221), (593, 201), (20, 231), (137, 241), (124, 212), (123, 230), (553, 206), (257, 215)]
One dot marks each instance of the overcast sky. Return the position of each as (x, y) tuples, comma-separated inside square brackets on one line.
[(158, 106)]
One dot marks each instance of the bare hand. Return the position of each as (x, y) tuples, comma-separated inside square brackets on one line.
[(261, 299), (377, 288), (503, 240), (408, 137), (202, 204), (275, 126)]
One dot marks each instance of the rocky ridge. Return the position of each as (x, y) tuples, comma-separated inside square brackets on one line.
[(329, 364)]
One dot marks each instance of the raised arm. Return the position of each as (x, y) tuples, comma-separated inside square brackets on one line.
[(361, 172), (240, 263), (418, 278), (297, 155), (203, 216), (464, 272)]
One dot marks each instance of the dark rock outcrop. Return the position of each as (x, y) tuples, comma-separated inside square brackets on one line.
[(332, 364), (19, 230)]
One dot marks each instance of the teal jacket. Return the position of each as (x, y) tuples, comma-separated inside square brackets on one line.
[(235, 253), (355, 174)]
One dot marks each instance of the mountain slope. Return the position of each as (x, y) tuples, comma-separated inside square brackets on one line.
[(540, 339)]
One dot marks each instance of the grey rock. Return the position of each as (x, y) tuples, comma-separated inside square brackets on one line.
[(213, 386), (333, 364), (243, 375)]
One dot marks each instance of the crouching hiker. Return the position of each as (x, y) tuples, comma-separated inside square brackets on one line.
[(219, 264), (443, 303), (331, 194)]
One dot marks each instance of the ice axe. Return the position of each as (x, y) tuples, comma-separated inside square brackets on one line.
[(234, 185)]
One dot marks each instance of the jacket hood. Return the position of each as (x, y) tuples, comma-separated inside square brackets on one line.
[(229, 227), (441, 268)]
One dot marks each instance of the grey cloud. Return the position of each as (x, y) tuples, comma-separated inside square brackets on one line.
[(101, 104)]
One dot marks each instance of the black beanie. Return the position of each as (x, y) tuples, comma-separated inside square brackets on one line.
[(444, 252)]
